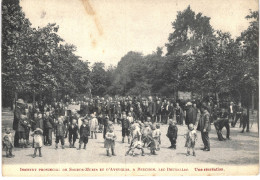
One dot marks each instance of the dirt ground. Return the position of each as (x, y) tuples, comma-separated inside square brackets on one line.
[(242, 149)]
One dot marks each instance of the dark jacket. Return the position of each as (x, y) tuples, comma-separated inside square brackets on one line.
[(48, 122), (151, 108), (19, 110), (191, 116), (73, 130), (172, 131), (60, 129), (222, 115), (84, 131), (39, 123), (125, 124), (204, 122)]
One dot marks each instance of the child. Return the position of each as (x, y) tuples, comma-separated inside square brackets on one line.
[(125, 128), (8, 143), (172, 133), (136, 141), (39, 121), (48, 125), (110, 141), (130, 118), (60, 132), (151, 143), (146, 133), (191, 137), (38, 141), (84, 133), (73, 133), (157, 137), (93, 123)]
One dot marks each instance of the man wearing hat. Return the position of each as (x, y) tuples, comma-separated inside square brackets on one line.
[(17, 123)]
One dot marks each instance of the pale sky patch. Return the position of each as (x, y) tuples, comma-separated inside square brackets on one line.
[(105, 30)]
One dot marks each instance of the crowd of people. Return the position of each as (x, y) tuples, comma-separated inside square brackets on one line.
[(140, 119)]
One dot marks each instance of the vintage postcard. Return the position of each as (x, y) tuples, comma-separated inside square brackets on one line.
[(130, 87)]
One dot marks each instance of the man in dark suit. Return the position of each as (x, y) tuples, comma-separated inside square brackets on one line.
[(239, 112), (191, 115), (222, 121), (151, 109), (231, 111), (204, 127), (17, 125), (158, 111)]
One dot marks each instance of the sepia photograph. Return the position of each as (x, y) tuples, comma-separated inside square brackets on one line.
[(130, 87)]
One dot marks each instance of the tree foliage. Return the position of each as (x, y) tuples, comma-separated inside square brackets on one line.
[(198, 59)]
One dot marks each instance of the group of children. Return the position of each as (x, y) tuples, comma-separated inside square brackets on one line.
[(140, 135)]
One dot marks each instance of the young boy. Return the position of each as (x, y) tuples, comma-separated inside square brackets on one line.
[(146, 133), (110, 141), (8, 143), (172, 133), (48, 126), (38, 141), (60, 133), (130, 118), (93, 123), (84, 133), (73, 133), (125, 128), (191, 137), (152, 143)]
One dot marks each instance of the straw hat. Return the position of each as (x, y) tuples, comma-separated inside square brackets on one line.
[(20, 101)]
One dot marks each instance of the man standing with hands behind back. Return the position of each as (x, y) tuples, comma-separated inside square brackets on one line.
[(204, 128)]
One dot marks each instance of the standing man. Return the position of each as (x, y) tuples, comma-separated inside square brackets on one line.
[(204, 128), (239, 112), (191, 115), (231, 111), (151, 109), (179, 114), (245, 119), (19, 111), (158, 111)]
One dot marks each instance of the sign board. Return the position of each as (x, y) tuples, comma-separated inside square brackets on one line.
[(184, 95), (74, 107)]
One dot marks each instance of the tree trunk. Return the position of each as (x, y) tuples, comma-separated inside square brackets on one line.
[(253, 100), (15, 99), (33, 98), (217, 98), (257, 119)]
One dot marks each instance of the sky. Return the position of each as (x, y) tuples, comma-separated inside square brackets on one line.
[(105, 30)]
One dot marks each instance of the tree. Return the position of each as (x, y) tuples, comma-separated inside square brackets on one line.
[(15, 32), (99, 79), (190, 30)]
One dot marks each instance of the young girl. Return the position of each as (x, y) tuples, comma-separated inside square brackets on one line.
[(8, 143), (37, 141), (110, 141), (191, 137), (136, 142), (157, 137), (153, 140)]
